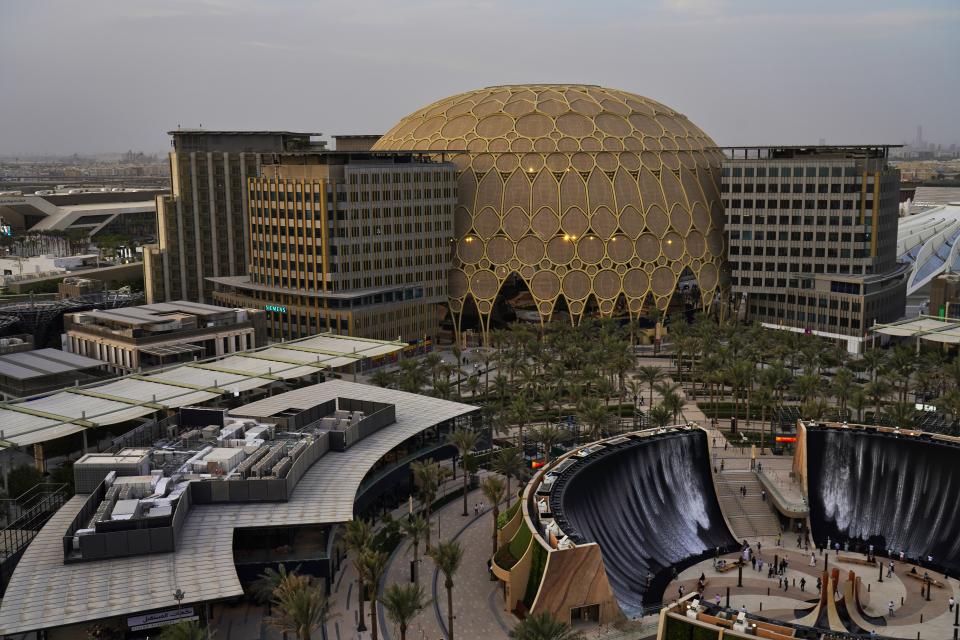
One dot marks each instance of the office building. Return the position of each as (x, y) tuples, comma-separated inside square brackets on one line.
[(812, 234), (152, 335), (596, 201), (354, 243), (202, 225)]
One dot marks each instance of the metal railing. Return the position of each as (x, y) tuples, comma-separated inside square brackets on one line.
[(33, 508)]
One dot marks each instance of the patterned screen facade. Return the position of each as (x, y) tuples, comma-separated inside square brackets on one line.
[(581, 191)]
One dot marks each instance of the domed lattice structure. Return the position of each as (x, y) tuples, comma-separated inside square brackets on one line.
[(582, 191)]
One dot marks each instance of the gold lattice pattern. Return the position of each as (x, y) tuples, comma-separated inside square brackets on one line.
[(582, 191)]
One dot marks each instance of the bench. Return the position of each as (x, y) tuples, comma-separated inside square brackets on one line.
[(856, 560), (730, 566), (919, 576)]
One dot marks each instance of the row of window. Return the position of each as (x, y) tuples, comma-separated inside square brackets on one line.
[(798, 187), (806, 221), (798, 236), (786, 172), (821, 205)]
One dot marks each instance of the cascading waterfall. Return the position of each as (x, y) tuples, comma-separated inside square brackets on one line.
[(896, 492), (649, 507)]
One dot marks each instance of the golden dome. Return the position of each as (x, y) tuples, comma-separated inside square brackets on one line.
[(582, 191)]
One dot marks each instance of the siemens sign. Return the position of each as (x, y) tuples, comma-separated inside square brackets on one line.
[(275, 308)]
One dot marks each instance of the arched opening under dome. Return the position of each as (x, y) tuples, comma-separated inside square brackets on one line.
[(514, 303)]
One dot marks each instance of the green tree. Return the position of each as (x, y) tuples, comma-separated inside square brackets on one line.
[(650, 375), (415, 528), (358, 537), (21, 479), (382, 378), (595, 415), (508, 463), (267, 582), (447, 556), (299, 606), (403, 602), (520, 414), (548, 436), (465, 441), (764, 398), (842, 386), (660, 416), (186, 630), (373, 564), (493, 490), (674, 403), (428, 475), (877, 390), (543, 626)]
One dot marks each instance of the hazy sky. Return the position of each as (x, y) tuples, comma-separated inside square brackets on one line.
[(112, 75)]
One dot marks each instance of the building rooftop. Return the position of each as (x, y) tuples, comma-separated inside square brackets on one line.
[(43, 362), (44, 591), (74, 409), (223, 132), (786, 152)]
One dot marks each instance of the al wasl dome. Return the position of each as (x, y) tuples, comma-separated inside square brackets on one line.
[(597, 200)]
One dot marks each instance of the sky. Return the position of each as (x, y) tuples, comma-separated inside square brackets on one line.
[(103, 76)]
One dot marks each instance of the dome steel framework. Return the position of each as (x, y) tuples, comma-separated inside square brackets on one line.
[(583, 192)]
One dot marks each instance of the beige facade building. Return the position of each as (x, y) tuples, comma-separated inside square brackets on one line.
[(812, 234), (140, 338), (351, 242), (597, 200), (202, 225)]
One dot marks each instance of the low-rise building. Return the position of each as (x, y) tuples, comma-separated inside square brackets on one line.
[(29, 372), (136, 338)]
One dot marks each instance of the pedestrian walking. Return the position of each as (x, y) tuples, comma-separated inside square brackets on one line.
[(680, 591), (951, 603), (763, 494), (721, 464), (760, 565), (753, 562), (890, 569), (803, 584), (716, 599), (836, 546), (819, 584), (759, 466), (779, 582), (779, 539), (890, 610), (813, 559)]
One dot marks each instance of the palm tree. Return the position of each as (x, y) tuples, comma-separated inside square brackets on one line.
[(403, 602), (595, 415), (520, 413), (382, 378), (874, 360), (447, 556), (428, 476), (902, 414), (268, 581), (509, 464), (372, 565), (674, 403), (412, 376), (415, 527), (876, 390), (494, 491), (183, 631), (858, 400), (358, 537), (547, 435), (842, 386), (650, 375), (764, 398), (543, 626), (660, 415), (464, 441), (300, 606)]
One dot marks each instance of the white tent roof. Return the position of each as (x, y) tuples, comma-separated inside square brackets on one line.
[(73, 409)]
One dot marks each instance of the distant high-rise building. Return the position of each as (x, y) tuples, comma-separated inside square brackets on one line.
[(812, 237), (202, 225), (355, 242)]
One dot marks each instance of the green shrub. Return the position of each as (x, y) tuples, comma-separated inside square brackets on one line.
[(537, 566)]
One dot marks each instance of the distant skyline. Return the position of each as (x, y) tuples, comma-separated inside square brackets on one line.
[(111, 75)]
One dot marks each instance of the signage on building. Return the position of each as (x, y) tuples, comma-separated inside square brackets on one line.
[(161, 618), (275, 308)]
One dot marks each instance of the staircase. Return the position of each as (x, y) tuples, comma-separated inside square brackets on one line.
[(749, 516)]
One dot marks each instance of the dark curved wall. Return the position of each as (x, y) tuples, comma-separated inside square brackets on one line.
[(899, 493), (650, 506)]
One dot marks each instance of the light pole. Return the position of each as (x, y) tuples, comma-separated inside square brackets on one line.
[(179, 595)]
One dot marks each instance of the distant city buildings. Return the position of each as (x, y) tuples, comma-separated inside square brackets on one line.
[(203, 225), (352, 242), (812, 238)]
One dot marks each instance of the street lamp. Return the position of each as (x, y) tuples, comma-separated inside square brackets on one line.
[(179, 595)]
